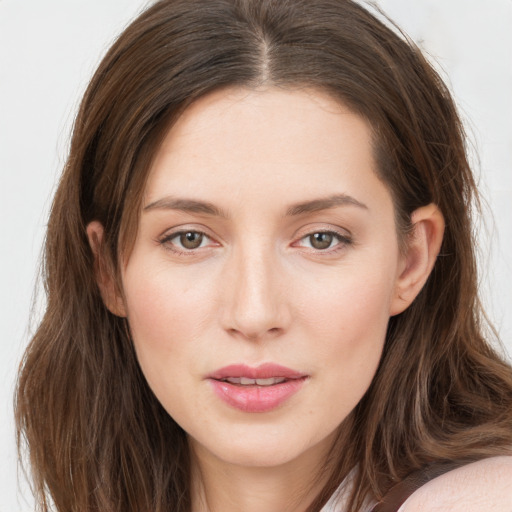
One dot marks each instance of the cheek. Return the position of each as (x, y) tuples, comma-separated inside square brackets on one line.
[(351, 306), (166, 315), (347, 319)]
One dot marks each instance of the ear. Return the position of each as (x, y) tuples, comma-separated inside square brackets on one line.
[(420, 256), (105, 279)]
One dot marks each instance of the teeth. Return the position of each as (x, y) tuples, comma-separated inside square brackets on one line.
[(244, 381), (232, 380), (270, 382)]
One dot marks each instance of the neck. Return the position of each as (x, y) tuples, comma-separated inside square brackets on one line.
[(220, 486)]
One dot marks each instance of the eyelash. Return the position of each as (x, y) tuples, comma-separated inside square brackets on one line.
[(190, 252), (343, 240)]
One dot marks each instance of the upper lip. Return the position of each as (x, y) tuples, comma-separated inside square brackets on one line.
[(263, 371)]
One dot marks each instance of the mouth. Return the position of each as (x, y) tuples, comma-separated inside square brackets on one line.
[(244, 381), (243, 374), (260, 389)]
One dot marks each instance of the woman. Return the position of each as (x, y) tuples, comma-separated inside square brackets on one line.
[(261, 280)]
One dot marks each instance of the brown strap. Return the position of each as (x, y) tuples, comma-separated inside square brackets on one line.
[(397, 495)]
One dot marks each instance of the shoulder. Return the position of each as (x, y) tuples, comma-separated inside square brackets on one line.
[(482, 486)]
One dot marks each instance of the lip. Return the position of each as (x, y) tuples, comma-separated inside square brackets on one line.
[(263, 371), (256, 398)]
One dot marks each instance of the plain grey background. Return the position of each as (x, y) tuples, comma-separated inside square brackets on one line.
[(49, 50)]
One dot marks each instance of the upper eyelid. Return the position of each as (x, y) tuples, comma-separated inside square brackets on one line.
[(167, 237), (172, 232), (336, 230), (306, 231)]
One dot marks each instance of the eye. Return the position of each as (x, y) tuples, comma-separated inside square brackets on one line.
[(185, 241), (324, 240)]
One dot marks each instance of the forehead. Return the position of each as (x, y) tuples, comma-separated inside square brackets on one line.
[(246, 147)]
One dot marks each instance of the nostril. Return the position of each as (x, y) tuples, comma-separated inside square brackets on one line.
[(255, 336)]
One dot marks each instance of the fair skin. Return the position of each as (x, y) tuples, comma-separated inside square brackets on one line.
[(483, 486), (255, 282)]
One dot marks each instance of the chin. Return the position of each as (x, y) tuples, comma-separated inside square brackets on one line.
[(268, 447)]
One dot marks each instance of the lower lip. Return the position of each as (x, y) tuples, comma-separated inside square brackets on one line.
[(256, 398)]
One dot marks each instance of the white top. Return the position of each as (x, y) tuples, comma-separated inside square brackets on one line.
[(339, 500)]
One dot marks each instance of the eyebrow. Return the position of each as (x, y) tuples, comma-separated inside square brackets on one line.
[(204, 207), (187, 205), (324, 203)]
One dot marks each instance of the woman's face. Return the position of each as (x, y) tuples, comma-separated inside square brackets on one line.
[(266, 250)]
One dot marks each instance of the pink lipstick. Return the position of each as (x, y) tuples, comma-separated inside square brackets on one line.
[(259, 389)]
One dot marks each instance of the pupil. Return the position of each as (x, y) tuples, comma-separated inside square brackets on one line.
[(321, 240), (191, 240)]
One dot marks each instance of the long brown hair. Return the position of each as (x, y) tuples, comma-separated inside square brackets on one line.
[(98, 438)]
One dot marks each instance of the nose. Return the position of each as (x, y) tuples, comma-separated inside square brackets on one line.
[(256, 305)]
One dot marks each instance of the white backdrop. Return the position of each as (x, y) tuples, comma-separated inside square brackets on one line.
[(49, 49)]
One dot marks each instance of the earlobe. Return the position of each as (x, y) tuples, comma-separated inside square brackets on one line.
[(420, 256), (104, 278)]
